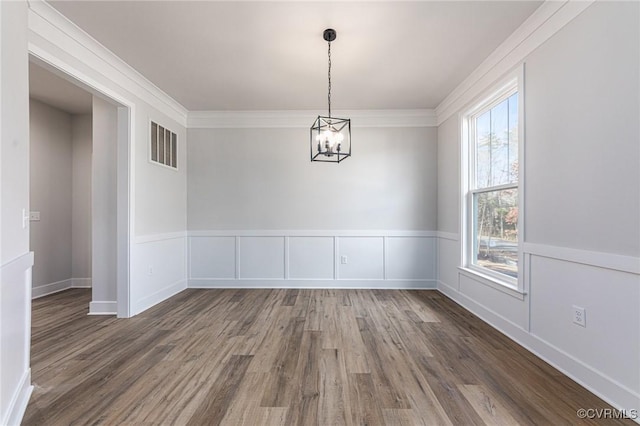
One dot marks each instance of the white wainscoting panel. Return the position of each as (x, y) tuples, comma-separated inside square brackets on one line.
[(261, 257), (448, 261), (365, 258), (158, 270), (15, 317), (610, 340), (213, 257), (311, 258), (603, 356), (410, 258)]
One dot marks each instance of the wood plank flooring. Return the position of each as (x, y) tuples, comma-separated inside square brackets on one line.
[(289, 357)]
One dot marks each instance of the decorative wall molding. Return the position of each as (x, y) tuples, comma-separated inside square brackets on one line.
[(159, 268), (602, 260), (612, 261), (547, 20), (42, 17), (604, 387), (103, 308), (152, 238), (303, 119), (310, 233), (448, 236), (312, 258), (15, 279)]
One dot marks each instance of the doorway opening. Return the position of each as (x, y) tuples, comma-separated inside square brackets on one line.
[(79, 190)]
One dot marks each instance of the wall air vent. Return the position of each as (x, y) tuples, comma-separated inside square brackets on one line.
[(163, 146)]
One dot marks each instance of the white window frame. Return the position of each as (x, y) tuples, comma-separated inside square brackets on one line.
[(510, 84)]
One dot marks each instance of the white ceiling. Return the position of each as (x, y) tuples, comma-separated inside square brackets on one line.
[(239, 55), (58, 92)]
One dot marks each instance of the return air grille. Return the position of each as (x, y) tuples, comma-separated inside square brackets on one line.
[(164, 146)]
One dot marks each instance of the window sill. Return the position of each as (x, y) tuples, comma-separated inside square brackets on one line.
[(492, 282)]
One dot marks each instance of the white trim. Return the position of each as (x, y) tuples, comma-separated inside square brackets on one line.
[(81, 283), (611, 391), (612, 261), (58, 286), (103, 308), (311, 233), (297, 119), (509, 84), (492, 282), (125, 207), (152, 238), (547, 20), (159, 296), (237, 258), (111, 67), (336, 258), (19, 401), (427, 284), (285, 258), (51, 288), (18, 265), (448, 236)]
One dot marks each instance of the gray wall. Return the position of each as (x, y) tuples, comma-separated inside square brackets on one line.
[(262, 179), (581, 94), (448, 175), (50, 184), (160, 192), (81, 139), (60, 186), (103, 209)]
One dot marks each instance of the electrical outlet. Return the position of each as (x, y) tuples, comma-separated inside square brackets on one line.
[(579, 316), (150, 270), (344, 260), (34, 216)]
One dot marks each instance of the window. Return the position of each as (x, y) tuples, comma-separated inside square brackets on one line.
[(492, 198), (164, 146)]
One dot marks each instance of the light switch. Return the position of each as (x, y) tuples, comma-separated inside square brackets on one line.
[(34, 216)]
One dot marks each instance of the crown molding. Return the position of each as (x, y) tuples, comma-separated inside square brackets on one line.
[(547, 20), (304, 118), (49, 24)]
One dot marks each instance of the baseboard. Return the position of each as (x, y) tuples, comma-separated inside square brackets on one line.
[(19, 402), (319, 284), (47, 289), (80, 282), (157, 297), (103, 308), (614, 393), (58, 286)]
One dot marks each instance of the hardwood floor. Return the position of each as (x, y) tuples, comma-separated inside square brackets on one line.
[(294, 357)]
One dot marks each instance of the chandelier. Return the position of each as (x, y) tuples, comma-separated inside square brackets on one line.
[(330, 136)]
